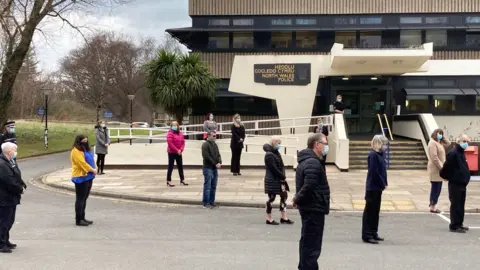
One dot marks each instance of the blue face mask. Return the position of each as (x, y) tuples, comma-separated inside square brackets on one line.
[(325, 150), (464, 145), (238, 120), (12, 130), (174, 128), (439, 136), (277, 147), (211, 117), (14, 156)]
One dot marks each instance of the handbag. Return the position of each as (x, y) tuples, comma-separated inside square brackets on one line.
[(444, 171)]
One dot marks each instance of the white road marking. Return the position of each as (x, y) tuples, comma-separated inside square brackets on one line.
[(444, 217)]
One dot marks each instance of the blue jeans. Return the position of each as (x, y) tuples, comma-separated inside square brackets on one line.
[(435, 192), (209, 186)]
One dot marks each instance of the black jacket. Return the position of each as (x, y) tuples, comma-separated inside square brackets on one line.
[(11, 183), (456, 168), (377, 171), (313, 191), (8, 137), (211, 154), (237, 134), (324, 130), (274, 171)]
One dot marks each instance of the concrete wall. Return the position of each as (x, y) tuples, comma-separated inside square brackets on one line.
[(453, 126)]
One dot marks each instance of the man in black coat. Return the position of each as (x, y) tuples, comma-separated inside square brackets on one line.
[(456, 171), (312, 200), (11, 188), (212, 161)]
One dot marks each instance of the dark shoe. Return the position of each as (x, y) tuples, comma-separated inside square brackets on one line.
[(465, 228), (458, 230), (239, 173), (183, 183), (206, 206), (436, 211), (82, 223), (5, 250), (273, 222), (378, 238), (286, 221), (88, 221), (102, 173), (370, 241), (170, 185), (11, 245), (213, 206)]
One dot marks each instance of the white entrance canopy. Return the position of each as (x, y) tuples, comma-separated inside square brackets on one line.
[(380, 61)]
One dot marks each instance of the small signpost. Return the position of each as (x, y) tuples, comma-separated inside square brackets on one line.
[(41, 111), (107, 114)]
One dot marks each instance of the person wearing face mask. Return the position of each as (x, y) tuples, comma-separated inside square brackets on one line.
[(175, 148), (324, 130), (338, 106), (9, 133), (236, 144), (101, 145), (456, 171), (436, 158), (212, 161), (312, 199), (275, 181), (83, 173), (11, 189), (376, 183), (209, 125)]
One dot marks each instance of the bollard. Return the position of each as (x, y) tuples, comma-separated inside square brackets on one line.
[(150, 141), (130, 141), (246, 148)]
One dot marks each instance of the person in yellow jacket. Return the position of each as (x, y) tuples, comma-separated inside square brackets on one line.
[(83, 173)]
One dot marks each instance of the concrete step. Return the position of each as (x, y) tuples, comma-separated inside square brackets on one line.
[(356, 152), (392, 148), (403, 143), (401, 158), (396, 167), (394, 162)]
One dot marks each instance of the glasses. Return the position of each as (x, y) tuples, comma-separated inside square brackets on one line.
[(324, 143)]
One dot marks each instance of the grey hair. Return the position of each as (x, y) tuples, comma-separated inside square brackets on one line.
[(275, 139), (378, 141), (315, 137), (6, 147), (461, 137)]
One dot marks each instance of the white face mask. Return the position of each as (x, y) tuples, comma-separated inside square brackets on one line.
[(103, 125)]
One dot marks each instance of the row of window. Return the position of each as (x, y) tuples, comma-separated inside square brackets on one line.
[(347, 20), (421, 104), (366, 39), (444, 83)]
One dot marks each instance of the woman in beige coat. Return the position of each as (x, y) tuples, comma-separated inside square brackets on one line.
[(436, 158)]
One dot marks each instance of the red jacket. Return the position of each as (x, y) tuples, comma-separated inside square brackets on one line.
[(175, 142)]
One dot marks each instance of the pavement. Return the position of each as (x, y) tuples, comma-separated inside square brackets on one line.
[(152, 236), (407, 191)]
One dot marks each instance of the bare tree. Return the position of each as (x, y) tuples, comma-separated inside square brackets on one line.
[(170, 44), (19, 19)]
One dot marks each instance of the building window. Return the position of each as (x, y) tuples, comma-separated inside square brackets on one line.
[(345, 21), (348, 39), (438, 37), (219, 22), (477, 84), (478, 103), (444, 83), (473, 39), (411, 20), (436, 20), (371, 20), (371, 39), (417, 103), (444, 103), (242, 40), (473, 19), (306, 21), (218, 41), (416, 83), (282, 22), (242, 22), (282, 40), (410, 38), (306, 39)]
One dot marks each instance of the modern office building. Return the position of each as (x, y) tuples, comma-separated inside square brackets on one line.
[(398, 56)]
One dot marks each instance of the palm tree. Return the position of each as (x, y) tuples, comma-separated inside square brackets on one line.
[(175, 80)]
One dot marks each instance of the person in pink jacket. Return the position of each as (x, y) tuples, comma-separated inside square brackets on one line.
[(176, 145)]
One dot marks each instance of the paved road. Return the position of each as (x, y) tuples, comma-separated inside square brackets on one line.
[(145, 236)]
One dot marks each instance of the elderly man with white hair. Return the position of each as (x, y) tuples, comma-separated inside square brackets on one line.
[(11, 189), (455, 170)]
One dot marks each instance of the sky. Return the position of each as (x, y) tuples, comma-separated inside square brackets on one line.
[(140, 18)]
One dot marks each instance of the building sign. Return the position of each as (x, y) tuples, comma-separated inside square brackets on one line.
[(282, 74)]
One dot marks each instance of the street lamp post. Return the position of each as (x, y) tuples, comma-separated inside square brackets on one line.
[(46, 92), (131, 97)]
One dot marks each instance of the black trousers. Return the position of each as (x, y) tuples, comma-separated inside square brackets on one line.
[(171, 162), (457, 195), (435, 191), (310, 245), (100, 162), (371, 214), (235, 163), (7, 219), (82, 192), (283, 201)]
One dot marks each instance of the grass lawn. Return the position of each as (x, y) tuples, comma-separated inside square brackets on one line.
[(30, 136)]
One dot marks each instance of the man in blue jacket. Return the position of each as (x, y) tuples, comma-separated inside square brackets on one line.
[(312, 200)]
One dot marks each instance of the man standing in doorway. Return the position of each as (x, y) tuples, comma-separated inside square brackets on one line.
[(212, 161), (338, 106), (312, 200), (456, 171)]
